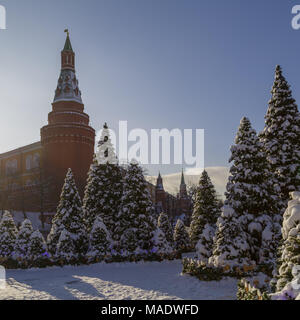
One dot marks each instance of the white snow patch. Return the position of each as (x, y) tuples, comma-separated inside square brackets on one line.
[(124, 281)]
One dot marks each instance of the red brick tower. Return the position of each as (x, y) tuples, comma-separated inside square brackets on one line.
[(68, 140), (160, 195), (183, 201)]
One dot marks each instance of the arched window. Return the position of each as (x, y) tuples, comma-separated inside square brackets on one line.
[(28, 162), (14, 165), (11, 166), (36, 160), (7, 167)]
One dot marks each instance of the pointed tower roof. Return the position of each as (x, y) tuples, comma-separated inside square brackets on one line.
[(68, 46), (182, 178), (67, 87), (182, 188), (159, 182)]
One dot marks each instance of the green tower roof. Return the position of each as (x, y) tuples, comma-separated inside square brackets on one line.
[(68, 46)]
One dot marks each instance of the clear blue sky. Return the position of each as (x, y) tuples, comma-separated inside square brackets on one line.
[(156, 63)]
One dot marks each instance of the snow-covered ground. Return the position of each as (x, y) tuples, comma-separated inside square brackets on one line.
[(124, 281)]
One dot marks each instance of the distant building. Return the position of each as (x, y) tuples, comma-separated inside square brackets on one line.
[(174, 206), (31, 177)]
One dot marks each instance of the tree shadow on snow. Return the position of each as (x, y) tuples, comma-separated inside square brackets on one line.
[(58, 287)]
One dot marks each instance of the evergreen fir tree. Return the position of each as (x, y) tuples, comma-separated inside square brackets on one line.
[(106, 151), (110, 194), (104, 188), (135, 224), (161, 245), (290, 253), (128, 243), (100, 241), (165, 226), (23, 240), (250, 190), (181, 237), (54, 234), (281, 138), (37, 247), (205, 214), (247, 190), (270, 237), (92, 195), (231, 247), (69, 217), (8, 234), (66, 249), (204, 246)]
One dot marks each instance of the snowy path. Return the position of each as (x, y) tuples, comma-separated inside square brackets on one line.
[(129, 281)]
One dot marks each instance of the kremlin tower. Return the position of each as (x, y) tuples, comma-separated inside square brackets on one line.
[(33, 175), (68, 140), (160, 195), (173, 206)]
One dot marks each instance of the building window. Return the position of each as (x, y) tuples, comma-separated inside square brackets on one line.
[(28, 162), (11, 166), (36, 161), (7, 167)]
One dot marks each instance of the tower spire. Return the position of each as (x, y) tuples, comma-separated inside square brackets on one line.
[(67, 87), (182, 188), (68, 46), (182, 178), (159, 182), (67, 54)]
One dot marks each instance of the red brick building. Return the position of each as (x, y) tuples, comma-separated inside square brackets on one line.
[(173, 206), (32, 176)]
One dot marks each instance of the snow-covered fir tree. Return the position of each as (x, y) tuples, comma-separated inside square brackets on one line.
[(23, 240), (161, 245), (54, 234), (181, 237), (69, 217), (66, 250), (91, 195), (230, 247), (270, 240), (135, 224), (165, 225), (37, 247), (110, 193), (99, 242), (104, 188), (106, 151), (204, 218), (281, 138), (290, 255), (251, 189), (204, 246), (8, 234)]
